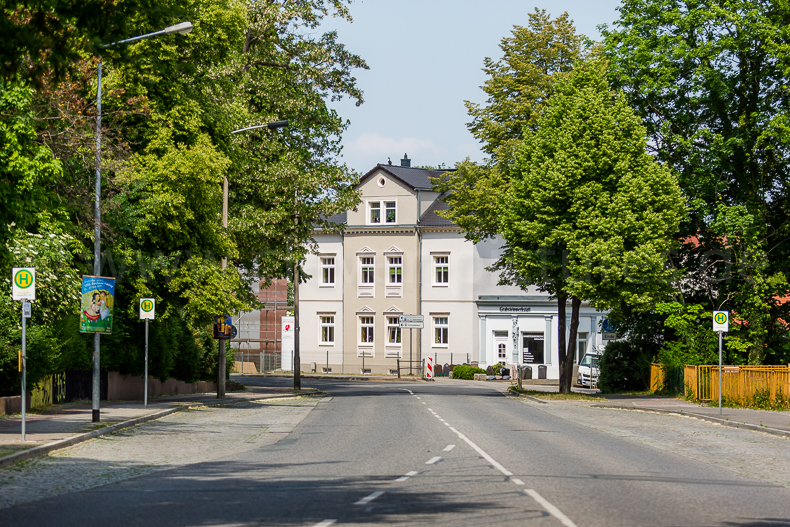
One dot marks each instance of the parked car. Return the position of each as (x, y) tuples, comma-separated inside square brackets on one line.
[(590, 365)]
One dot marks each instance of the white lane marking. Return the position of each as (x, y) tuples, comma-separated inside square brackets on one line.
[(517, 481), (415, 396), (433, 460), (407, 476), (422, 402), (325, 523), (445, 422), (449, 447), (554, 511), (368, 499), (429, 409), (482, 452)]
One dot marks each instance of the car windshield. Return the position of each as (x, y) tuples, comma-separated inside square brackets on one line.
[(586, 360)]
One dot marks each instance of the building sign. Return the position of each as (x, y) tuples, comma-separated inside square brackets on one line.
[(98, 303), (287, 335), (515, 309)]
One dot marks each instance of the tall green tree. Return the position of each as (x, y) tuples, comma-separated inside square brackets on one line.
[(709, 79), (518, 85), (590, 215)]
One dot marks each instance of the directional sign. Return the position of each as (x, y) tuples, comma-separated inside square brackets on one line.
[(411, 325), (23, 283), (147, 308), (721, 321), (411, 318)]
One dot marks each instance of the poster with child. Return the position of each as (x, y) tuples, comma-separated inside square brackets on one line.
[(98, 300)]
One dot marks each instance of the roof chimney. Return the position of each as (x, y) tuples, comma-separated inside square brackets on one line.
[(405, 162)]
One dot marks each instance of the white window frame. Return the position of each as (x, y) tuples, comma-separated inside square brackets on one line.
[(382, 206), (393, 324), (437, 265), (326, 321), (327, 269), (391, 266), (367, 321), (441, 322), (362, 266), (579, 341)]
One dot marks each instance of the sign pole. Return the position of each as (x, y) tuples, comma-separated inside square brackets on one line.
[(720, 335), (24, 366), (411, 333), (145, 396)]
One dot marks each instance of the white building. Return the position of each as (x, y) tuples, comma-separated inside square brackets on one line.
[(397, 256)]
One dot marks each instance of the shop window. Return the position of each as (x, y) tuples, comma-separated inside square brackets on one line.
[(532, 348)]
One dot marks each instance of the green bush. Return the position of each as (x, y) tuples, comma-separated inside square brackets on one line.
[(464, 371), (624, 366)]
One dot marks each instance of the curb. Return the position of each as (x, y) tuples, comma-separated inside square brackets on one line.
[(11, 459), (510, 393), (702, 417)]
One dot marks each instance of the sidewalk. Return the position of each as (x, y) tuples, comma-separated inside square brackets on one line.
[(61, 422), (768, 421)]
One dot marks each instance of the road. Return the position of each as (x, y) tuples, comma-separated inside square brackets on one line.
[(426, 454)]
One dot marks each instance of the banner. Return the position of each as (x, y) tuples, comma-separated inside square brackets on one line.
[(98, 302), (222, 327)]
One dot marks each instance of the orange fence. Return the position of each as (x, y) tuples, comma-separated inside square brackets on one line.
[(740, 384)]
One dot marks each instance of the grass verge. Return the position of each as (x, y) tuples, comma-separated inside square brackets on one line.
[(553, 396)]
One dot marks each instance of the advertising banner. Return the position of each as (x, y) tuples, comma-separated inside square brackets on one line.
[(223, 327), (98, 303)]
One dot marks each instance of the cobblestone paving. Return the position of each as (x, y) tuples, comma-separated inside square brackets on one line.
[(757, 455), (193, 436)]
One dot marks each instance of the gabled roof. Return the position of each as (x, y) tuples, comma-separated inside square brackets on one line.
[(415, 178), (430, 218)]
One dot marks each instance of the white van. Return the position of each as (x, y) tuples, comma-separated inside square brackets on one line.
[(590, 364)]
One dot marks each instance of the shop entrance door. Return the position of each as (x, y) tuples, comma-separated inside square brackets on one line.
[(500, 346)]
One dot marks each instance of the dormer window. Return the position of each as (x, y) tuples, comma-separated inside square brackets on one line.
[(382, 212)]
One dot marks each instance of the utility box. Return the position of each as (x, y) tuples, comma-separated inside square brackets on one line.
[(313, 367), (527, 374)]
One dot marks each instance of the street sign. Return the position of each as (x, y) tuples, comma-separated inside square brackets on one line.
[(233, 333), (23, 283), (721, 321), (26, 309), (609, 336), (147, 308), (411, 321)]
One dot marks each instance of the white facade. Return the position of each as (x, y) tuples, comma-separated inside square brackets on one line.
[(396, 256)]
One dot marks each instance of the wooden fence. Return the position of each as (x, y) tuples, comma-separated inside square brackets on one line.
[(740, 384)]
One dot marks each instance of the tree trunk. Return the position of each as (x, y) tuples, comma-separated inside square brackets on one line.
[(566, 363), (561, 303)]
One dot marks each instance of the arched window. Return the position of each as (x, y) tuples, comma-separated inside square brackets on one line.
[(502, 348)]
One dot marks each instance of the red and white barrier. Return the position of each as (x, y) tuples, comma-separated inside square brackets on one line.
[(429, 367)]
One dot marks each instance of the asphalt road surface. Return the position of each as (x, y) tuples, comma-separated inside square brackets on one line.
[(427, 454)]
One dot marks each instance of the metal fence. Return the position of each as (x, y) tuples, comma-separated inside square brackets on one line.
[(665, 379), (270, 361)]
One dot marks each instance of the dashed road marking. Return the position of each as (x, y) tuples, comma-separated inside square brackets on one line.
[(449, 447), (554, 511), (517, 481), (368, 499), (325, 523), (407, 476), (433, 460)]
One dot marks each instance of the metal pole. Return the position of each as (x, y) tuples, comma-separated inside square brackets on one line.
[(145, 396), (410, 357), (24, 368), (327, 361), (363, 363), (296, 361), (221, 357), (720, 334), (96, 388), (260, 361)]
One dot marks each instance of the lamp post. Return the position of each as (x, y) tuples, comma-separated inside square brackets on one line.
[(182, 27), (222, 354)]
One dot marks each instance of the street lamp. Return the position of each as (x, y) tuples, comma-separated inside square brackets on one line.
[(221, 355), (182, 27)]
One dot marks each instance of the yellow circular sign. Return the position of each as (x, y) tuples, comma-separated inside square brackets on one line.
[(147, 305), (23, 279), (721, 318)]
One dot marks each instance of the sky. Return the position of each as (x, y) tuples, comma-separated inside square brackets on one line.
[(426, 59)]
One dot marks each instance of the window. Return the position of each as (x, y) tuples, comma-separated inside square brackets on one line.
[(328, 271), (366, 330), (375, 212), (440, 330), (367, 269), (581, 346), (502, 350), (327, 330), (533, 348), (393, 331), (390, 212), (395, 265), (441, 265)]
